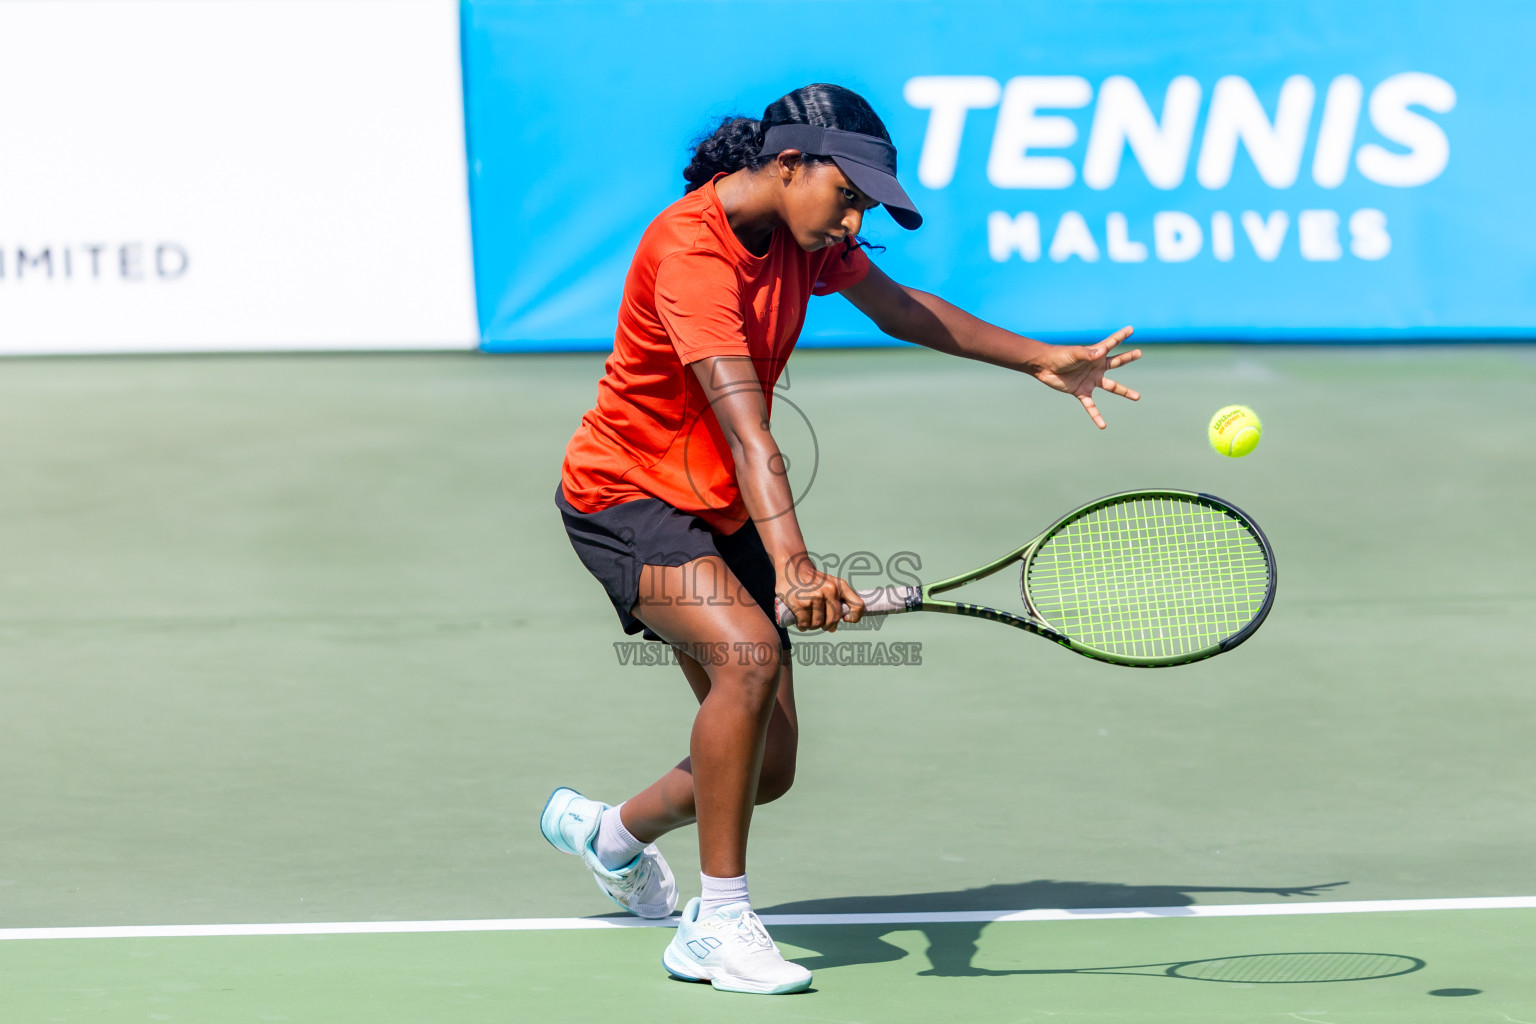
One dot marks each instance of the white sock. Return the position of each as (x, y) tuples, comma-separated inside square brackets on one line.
[(614, 846), (720, 892)]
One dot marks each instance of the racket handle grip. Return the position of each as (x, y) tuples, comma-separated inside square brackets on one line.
[(880, 601)]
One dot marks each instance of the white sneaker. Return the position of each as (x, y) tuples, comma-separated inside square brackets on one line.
[(731, 949), (644, 886)]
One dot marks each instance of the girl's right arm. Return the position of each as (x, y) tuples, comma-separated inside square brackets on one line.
[(736, 396)]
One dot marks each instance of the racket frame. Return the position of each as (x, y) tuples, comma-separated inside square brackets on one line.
[(924, 596)]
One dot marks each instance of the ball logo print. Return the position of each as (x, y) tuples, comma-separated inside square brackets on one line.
[(1235, 431)]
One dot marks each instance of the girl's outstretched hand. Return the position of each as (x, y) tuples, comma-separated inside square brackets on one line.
[(1079, 369)]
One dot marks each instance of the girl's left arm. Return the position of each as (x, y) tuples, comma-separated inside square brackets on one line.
[(924, 319)]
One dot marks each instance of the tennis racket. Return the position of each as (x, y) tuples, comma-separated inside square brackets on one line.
[(1269, 968), (1141, 578)]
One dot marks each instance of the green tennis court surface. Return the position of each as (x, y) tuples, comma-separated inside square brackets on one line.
[(1475, 967), (301, 640)]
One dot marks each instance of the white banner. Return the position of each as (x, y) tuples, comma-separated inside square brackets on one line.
[(232, 175)]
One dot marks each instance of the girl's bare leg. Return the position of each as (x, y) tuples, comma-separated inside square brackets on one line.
[(742, 750), (667, 803)]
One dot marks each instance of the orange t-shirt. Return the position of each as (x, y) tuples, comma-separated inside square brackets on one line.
[(693, 291)]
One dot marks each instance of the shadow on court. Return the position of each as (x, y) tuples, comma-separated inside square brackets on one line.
[(952, 945)]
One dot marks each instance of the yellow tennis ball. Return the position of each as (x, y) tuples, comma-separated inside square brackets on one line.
[(1235, 430)]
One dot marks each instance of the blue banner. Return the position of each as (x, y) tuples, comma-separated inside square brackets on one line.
[(1240, 170)]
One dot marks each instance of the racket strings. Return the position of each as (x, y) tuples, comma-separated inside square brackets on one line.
[(1150, 577)]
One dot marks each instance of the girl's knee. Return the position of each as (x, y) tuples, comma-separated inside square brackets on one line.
[(745, 678)]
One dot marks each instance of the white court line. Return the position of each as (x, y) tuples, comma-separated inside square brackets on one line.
[(543, 924)]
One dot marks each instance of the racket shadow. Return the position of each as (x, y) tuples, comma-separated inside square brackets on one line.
[(1302, 968), (952, 945)]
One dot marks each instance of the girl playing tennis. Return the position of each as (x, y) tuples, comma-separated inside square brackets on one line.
[(674, 495)]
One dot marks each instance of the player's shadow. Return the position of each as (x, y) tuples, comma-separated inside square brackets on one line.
[(952, 945)]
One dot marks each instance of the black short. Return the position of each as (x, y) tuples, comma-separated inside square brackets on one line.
[(613, 544)]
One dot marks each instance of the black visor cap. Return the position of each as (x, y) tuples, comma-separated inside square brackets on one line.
[(869, 162)]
